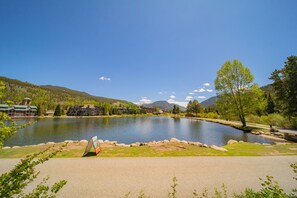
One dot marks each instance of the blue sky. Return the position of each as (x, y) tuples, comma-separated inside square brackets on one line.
[(143, 50)]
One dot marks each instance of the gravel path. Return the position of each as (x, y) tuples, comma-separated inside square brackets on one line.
[(115, 177)]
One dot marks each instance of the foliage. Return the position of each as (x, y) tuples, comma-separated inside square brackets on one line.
[(173, 193), (175, 110), (236, 93), (274, 119), (7, 127), (13, 182), (2, 87), (212, 115), (48, 97), (194, 107), (270, 105), (285, 83), (58, 111)]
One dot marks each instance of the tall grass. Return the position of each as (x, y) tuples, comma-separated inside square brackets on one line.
[(273, 119)]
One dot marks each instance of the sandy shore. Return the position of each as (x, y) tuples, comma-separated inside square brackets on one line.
[(114, 177)]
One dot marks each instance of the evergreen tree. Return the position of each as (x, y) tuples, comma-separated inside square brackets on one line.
[(270, 105), (38, 111), (285, 86), (58, 111), (175, 110), (189, 107)]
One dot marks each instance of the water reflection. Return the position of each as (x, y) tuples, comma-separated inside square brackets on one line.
[(128, 130)]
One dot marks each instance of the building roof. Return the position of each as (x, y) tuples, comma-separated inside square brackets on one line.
[(5, 107)]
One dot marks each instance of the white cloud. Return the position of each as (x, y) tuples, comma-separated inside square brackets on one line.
[(183, 104), (172, 97), (201, 97), (191, 93), (206, 84), (209, 90), (143, 100), (173, 92), (104, 78), (188, 98), (171, 100), (199, 91)]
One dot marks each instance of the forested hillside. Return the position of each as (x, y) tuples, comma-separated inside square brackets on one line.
[(47, 97)]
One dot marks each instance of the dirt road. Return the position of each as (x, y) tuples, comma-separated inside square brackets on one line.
[(115, 177)]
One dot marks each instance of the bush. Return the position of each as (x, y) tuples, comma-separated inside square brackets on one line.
[(210, 115), (15, 181), (273, 119)]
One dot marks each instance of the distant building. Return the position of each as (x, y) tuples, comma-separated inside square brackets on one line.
[(26, 101), (122, 110), (147, 109), (85, 110), (49, 113), (18, 110)]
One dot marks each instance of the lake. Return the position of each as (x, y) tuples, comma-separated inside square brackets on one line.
[(128, 130)]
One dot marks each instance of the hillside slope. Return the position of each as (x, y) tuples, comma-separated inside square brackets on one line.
[(164, 105), (210, 102), (49, 96)]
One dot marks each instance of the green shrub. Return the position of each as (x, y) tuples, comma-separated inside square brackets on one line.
[(211, 115), (13, 183)]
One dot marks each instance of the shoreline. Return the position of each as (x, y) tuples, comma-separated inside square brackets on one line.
[(165, 148), (235, 125), (114, 143)]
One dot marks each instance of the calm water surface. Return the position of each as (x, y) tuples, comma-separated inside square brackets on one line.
[(128, 130)]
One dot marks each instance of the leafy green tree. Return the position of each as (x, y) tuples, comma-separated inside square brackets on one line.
[(107, 109), (9, 102), (285, 86), (194, 107), (58, 111), (6, 130), (2, 87), (236, 91)]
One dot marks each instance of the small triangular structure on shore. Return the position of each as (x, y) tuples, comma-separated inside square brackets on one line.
[(93, 142)]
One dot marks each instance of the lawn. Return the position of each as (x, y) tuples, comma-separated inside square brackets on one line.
[(171, 149)]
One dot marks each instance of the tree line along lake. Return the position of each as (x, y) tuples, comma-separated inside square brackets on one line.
[(128, 130)]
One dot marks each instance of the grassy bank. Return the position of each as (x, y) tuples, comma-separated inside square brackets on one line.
[(170, 149)]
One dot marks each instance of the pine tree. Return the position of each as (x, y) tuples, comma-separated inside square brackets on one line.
[(58, 111), (270, 105), (285, 83)]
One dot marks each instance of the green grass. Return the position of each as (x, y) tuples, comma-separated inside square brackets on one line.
[(163, 150)]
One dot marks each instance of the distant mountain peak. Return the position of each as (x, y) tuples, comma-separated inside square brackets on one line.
[(164, 105)]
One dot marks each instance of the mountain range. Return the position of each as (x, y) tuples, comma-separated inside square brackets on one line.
[(164, 105), (210, 102), (49, 95)]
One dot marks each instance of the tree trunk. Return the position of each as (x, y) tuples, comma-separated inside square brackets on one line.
[(242, 119)]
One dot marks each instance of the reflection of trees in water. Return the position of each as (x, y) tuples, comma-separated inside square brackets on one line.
[(127, 130), (176, 120)]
